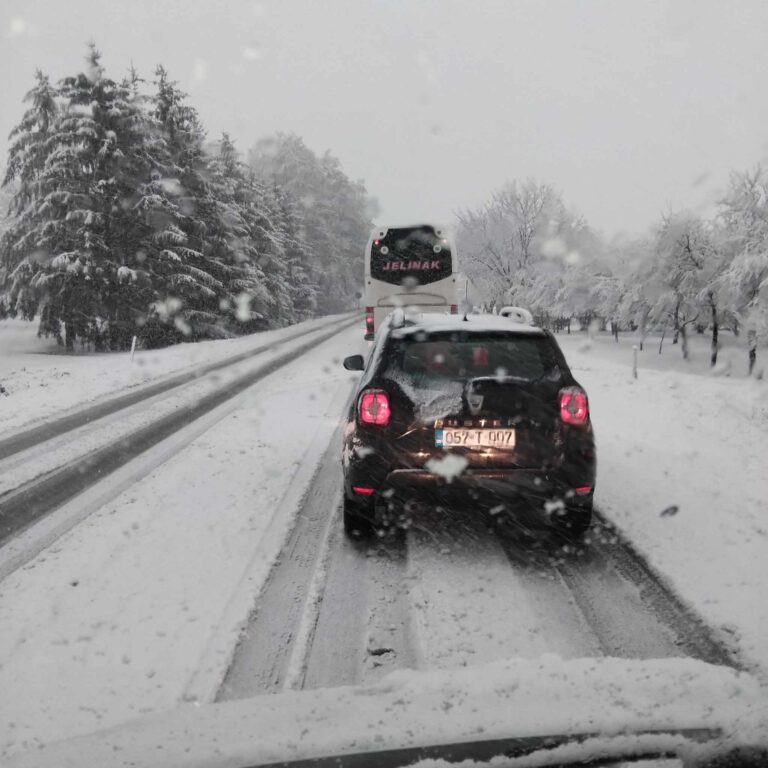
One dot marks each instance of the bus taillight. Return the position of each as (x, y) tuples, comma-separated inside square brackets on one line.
[(454, 309), (369, 319)]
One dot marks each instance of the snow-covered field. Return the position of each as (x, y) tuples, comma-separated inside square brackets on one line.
[(732, 359), (682, 471), (117, 617)]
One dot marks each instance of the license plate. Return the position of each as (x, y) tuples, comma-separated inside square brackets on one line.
[(503, 439)]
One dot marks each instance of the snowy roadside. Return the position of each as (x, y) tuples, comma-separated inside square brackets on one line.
[(113, 620), (41, 382), (732, 361), (681, 470)]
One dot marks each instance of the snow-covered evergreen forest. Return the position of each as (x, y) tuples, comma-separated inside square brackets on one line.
[(688, 274), (122, 218)]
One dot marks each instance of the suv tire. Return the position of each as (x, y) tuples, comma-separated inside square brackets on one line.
[(575, 522), (357, 524)]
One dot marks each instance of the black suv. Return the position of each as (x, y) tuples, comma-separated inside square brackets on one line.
[(479, 411)]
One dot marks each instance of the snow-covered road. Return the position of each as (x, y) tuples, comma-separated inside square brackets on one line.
[(139, 607), (42, 386), (52, 471), (116, 617), (452, 594), (95, 431)]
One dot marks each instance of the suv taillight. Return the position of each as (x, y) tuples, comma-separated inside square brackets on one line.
[(454, 309), (373, 407), (574, 408), (369, 319)]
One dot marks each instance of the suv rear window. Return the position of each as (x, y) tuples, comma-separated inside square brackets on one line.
[(468, 356)]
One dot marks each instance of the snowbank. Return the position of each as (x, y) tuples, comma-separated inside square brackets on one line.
[(407, 709)]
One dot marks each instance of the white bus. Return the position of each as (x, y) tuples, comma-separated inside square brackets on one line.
[(412, 267)]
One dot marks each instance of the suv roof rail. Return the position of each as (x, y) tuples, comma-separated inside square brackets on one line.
[(518, 315), (398, 318)]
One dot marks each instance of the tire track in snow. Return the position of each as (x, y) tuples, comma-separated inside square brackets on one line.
[(646, 616), (23, 506), (363, 629), (475, 601), (478, 596), (332, 612), (32, 436), (235, 622), (456, 593), (263, 660)]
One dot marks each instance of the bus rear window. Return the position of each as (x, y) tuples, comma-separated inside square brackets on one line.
[(417, 256)]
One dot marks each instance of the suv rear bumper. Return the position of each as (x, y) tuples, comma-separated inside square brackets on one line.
[(509, 487)]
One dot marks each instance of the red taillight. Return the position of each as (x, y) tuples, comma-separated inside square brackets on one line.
[(369, 319), (361, 491), (583, 490), (454, 309), (374, 407), (574, 408)]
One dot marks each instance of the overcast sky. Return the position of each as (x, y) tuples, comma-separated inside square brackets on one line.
[(629, 108)]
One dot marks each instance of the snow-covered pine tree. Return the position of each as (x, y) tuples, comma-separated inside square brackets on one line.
[(94, 281), (335, 214), (302, 277), (137, 169), (29, 140), (183, 252), (77, 231), (266, 247), (345, 206), (30, 144), (240, 241), (122, 223), (73, 189)]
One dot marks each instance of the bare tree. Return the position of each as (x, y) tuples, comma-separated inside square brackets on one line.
[(744, 280), (683, 251), (500, 242)]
